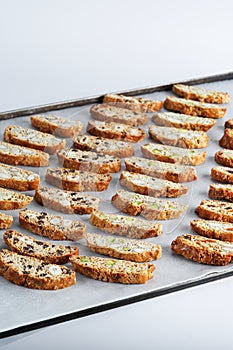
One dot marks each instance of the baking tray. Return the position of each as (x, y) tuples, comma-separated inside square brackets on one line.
[(24, 309)]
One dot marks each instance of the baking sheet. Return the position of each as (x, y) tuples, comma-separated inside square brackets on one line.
[(23, 309)]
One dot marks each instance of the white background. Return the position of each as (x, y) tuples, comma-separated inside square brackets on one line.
[(58, 50)]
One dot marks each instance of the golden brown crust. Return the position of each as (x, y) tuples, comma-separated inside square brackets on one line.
[(10, 200), (134, 103), (213, 229), (221, 191), (222, 174), (203, 250), (5, 221), (229, 124), (215, 210), (224, 157), (194, 107), (200, 94), (227, 139), (18, 179)]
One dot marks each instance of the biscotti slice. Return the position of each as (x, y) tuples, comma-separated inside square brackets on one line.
[(107, 113), (203, 250), (215, 210), (125, 225), (221, 191), (111, 147), (200, 94), (10, 200), (123, 248), (19, 155), (88, 161), (5, 221), (155, 168), (222, 174), (213, 229), (49, 252), (151, 186), (134, 103), (67, 202), (112, 270), (34, 273), (58, 126), (224, 157), (116, 131), (227, 139), (170, 154), (149, 207), (229, 124), (184, 121), (18, 179), (178, 137), (75, 180), (194, 108), (52, 226), (33, 139)]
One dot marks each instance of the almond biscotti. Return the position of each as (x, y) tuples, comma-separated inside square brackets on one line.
[(178, 137), (203, 250), (200, 94), (67, 202), (125, 225), (151, 186), (155, 168), (34, 273), (123, 248), (107, 113), (5, 221), (111, 147), (215, 210), (135, 103), (18, 179), (170, 154), (116, 131), (27, 245), (194, 108), (88, 161), (19, 155), (213, 229), (183, 121), (149, 207), (33, 139), (75, 180), (221, 191), (52, 226), (222, 174), (226, 140), (224, 157), (10, 200), (58, 126), (112, 270)]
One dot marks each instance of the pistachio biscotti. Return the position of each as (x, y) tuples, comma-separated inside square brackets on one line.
[(178, 137), (88, 161), (112, 270), (52, 226), (33, 139), (149, 207), (170, 154), (18, 179), (10, 200), (67, 202), (151, 186), (75, 180), (124, 225), (34, 273), (5, 221), (123, 248), (213, 229), (203, 250), (223, 174), (107, 113), (58, 126), (183, 121), (215, 210), (27, 245), (155, 168), (200, 94), (103, 145), (19, 155), (116, 131), (134, 103), (194, 108)]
